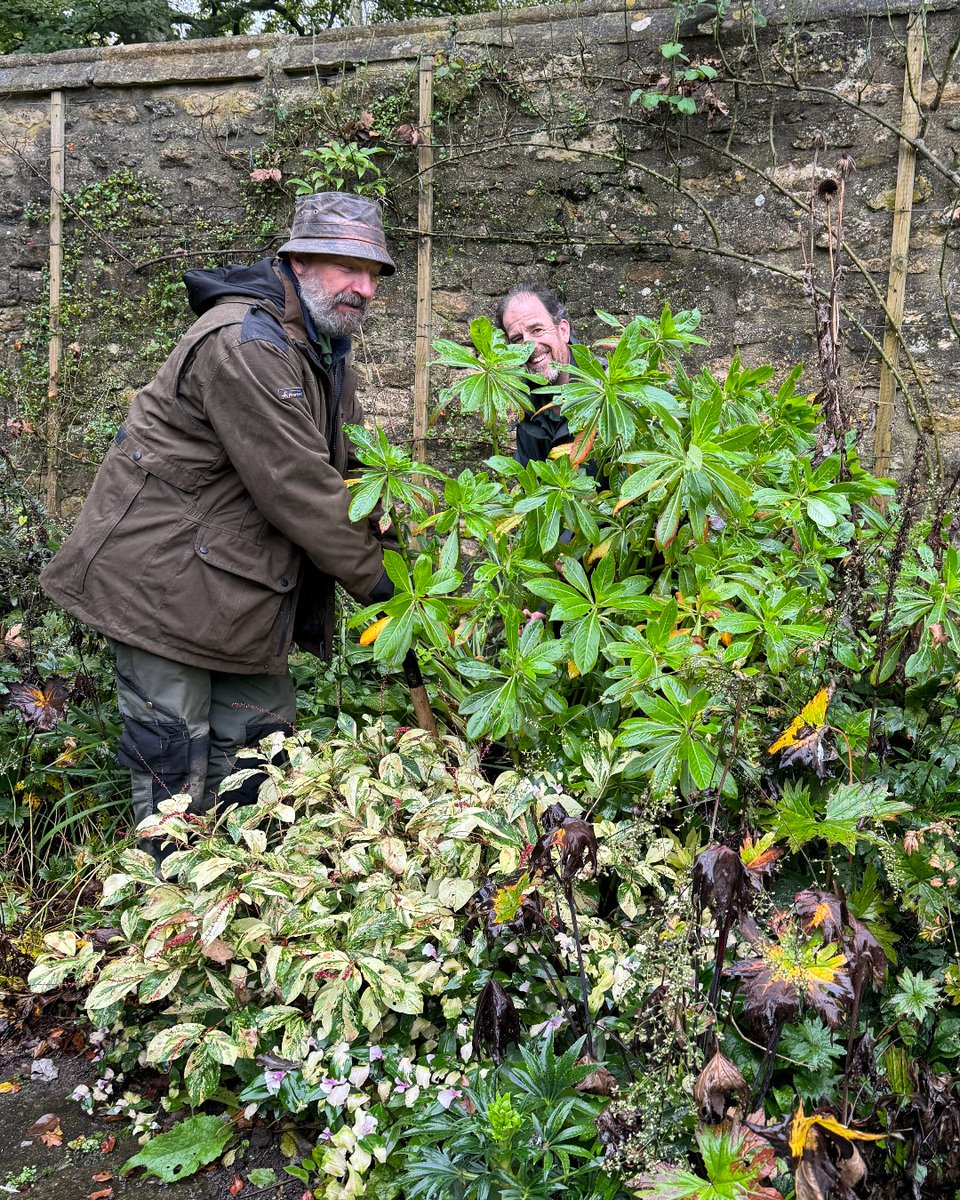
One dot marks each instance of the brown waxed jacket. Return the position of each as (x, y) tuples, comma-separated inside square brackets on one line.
[(220, 512)]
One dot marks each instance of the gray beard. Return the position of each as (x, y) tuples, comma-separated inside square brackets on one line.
[(322, 308)]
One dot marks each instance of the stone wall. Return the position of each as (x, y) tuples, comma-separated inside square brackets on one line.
[(548, 166)]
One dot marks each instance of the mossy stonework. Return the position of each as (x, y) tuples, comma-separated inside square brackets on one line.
[(630, 155)]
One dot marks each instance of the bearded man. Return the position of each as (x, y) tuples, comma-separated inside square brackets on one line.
[(218, 525), (533, 313)]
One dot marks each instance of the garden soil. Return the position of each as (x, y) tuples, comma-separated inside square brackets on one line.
[(94, 1171)]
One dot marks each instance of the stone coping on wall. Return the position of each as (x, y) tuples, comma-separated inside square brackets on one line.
[(327, 54)]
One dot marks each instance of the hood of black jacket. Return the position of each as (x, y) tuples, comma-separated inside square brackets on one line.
[(257, 282)]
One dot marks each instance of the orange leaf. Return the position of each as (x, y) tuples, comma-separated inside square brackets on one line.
[(757, 855), (236, 1185), (8, 1086), (372, 632), (103, 1194), (101, 1177), (582, 446), (53, 1137), (108, 1144)]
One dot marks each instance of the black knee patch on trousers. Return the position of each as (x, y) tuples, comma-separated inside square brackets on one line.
[(249, 790), (160, 749)]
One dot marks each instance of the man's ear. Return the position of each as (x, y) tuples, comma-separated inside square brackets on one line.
[(297, 265), (563, 328)]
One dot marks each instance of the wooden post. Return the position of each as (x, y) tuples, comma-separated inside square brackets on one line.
[(424, 339), (900, 243), (56, 276)]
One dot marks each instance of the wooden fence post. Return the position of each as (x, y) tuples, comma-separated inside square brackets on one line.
[(424, 338), (900, 243), (55, 346)]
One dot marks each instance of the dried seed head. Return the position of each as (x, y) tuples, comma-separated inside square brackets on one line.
[(600, 1082), (828, 190), (716, 1087), (496, 1025), (818, 140), (846, 164)]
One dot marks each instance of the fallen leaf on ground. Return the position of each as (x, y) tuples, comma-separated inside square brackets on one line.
[(101, 1177), (43, 1069), (108, 1144), (8, 1086), (53, 1138), (236, 1185), (44, 1124), (103, 1194)]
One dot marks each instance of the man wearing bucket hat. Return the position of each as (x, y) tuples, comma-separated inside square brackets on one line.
[(218, 525)]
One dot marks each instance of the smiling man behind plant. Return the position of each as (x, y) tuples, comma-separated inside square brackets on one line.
[(533, 313), (218, 523)]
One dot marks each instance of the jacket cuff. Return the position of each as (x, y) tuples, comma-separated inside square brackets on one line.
[(382, 589)]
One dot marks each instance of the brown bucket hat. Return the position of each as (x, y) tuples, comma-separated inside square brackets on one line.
[(339, 223)]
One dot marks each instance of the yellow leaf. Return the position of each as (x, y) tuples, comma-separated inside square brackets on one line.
[(351, 482), (507, 524), (288, 1146), (599, 551), (801, 1127), (372, 632), (561, 451), (812, 718), (621, 504), (9, 1086), (573, 671)]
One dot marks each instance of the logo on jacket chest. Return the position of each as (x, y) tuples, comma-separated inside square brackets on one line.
[(289, 393)]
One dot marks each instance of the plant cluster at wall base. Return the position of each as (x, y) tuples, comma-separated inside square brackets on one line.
[(304, 956), (688, 854), (60, 805)]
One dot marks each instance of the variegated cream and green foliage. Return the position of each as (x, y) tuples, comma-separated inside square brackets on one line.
[(310, 950)]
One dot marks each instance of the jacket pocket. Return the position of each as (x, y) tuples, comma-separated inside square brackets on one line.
[(240, 592), (113, 495)]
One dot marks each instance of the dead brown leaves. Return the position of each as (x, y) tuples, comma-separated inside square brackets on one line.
[(40, 706), (48, 1129), (496, 1025)]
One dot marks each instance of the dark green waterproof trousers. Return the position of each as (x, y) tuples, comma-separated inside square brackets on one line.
[(183, 726)]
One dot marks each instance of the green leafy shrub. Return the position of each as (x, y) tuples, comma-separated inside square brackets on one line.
[(721, 662), (305, 954), (522, 1129)]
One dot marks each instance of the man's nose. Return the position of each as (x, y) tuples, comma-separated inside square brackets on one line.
[(365, 284)]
